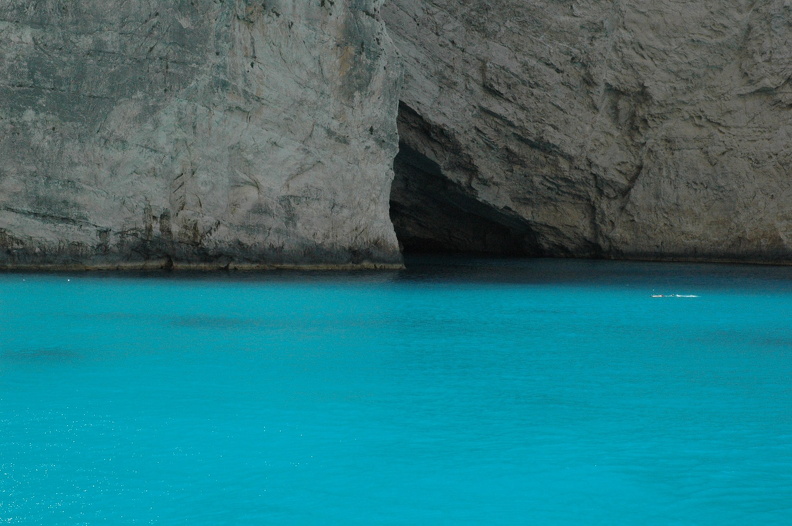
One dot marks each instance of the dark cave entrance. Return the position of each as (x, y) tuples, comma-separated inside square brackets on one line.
[(431, 213)]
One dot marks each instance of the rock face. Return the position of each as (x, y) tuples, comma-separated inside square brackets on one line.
[(238, 133), (602, 128), (206, 132)]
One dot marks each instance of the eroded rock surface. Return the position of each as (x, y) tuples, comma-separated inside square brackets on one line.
[(206, 132), (597, 128)]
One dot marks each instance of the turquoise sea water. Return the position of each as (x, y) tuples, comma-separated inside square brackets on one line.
[(457, 392)]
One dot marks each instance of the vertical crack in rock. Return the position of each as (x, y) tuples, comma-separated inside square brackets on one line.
[(433, 213)]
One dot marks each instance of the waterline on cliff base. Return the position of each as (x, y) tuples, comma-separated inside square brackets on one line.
[(457, 391)]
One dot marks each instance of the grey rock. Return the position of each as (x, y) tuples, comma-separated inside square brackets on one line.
[(658, 130), (202, 133)]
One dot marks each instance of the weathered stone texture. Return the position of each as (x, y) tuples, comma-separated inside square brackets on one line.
[(599, 128), (202, 132)]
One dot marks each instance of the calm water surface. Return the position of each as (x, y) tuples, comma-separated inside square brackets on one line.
[(457, 392)]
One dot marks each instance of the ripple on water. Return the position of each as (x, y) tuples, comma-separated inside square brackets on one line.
[(40, 356), (215, 322)]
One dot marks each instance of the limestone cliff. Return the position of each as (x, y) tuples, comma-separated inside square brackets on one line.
[(238, 133), (206, 132), (596, 127)]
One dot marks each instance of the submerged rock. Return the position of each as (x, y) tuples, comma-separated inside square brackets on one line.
[(209, 133), (596, 128)]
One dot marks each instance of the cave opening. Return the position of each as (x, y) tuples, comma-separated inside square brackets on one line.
[(433, 213)]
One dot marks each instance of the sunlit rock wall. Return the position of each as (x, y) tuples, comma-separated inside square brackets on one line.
[(202, 133)]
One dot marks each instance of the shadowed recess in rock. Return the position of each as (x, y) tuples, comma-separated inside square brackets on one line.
[(432, 213)]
